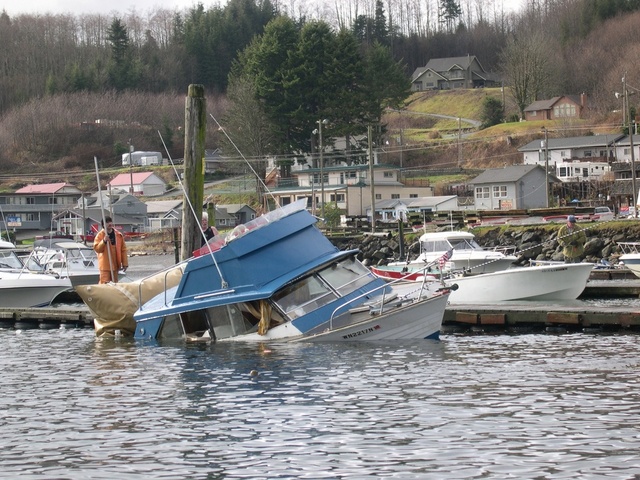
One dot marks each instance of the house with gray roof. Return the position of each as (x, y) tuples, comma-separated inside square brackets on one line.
[(396, 209), (574, 158), (516, 187), (557, 108), (450, 73)]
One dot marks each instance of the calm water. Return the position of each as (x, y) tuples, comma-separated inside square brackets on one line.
[(523, 406)]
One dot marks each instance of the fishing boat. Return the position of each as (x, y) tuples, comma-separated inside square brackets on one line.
[(276, 278), (66, 258), (458, 248), (22, 288), (541, 282)]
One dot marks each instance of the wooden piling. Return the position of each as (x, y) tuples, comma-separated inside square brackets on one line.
[(195, 123)]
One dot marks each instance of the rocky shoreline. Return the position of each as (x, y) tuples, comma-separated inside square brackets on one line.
[(535, 242)]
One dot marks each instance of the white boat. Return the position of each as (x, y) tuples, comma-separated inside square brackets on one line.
[(276, 278), (67, 258), (5, 244), (465, 254), (630, 257), (20, 288), (550, 281)]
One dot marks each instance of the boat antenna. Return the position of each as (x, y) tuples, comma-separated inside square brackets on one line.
[(104, 223), (266, 189), (223, 282)]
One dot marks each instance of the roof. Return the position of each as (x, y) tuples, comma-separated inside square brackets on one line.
[(45, 188), (445, 64), (126, 178), (548, 104), (574, 142), (162, 206), (233, 208), (508, 174)]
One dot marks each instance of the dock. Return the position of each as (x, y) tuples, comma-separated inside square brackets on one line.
[(507, 316)]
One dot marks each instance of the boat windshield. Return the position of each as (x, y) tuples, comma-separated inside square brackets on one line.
[(323, 287), (10, 260), (465, 244)]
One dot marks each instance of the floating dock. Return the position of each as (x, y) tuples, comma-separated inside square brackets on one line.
[(506, 316)]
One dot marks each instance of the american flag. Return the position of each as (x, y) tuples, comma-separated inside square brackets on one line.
[(442, 261)]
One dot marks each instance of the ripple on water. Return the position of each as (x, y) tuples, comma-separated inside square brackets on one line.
[(504, 406)]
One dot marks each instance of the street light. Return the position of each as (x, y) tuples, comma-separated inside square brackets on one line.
[(625, 99), (319, 132)]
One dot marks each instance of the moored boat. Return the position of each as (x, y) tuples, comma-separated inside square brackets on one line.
[(67, 258), (630, 257), (21, 288), (276, 278), (551, 281)]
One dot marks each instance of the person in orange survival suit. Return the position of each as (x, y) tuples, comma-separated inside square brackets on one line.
[(117, 250)]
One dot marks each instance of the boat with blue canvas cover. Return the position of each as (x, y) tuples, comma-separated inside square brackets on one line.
[(277, 278)]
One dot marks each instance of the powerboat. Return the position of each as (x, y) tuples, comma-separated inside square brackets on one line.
[(630, 257), (540, 282), (457, 250), (67, 258), (6, 244), (276, 278), (22, 288)]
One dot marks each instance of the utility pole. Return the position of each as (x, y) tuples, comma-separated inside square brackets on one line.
[(633, 156), (546, 164), (373, 194)]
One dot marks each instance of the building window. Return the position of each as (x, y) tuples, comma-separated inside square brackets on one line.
[(32, 217), (378, 196), (499, 191), (339, 197), (587, 153), (413, 195), (395, 196), (482, 192), (388, 174)]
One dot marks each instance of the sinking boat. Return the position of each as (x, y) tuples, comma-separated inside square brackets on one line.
[(275, 278)]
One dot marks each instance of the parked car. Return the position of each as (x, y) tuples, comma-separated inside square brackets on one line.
[(602, 214)]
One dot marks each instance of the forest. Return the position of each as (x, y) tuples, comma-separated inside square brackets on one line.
[(75, 87)]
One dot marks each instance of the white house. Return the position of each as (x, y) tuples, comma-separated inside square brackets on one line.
[(139, 183), (575, 158), (349, 186), (394, 210)]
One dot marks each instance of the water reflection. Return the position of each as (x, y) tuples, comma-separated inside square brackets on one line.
[(502, 406)]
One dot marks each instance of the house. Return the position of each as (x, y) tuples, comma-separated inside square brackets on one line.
[(33, 207), (517, 187), (128, 212), (574, 159), (139, 183), (557, 108), (450, 73), (164, 214), (241, 212), (398, 209), (348, 186)]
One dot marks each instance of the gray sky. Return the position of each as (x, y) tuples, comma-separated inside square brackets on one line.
[(77, 7)]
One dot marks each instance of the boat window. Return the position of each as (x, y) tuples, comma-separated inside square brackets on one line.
[(228, 321), (436, 246), (303, 297), (460, 244), (346, 276), (171, 327), (9, 260)]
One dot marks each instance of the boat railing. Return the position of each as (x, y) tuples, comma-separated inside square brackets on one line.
[(629, 247), (382, 288)]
